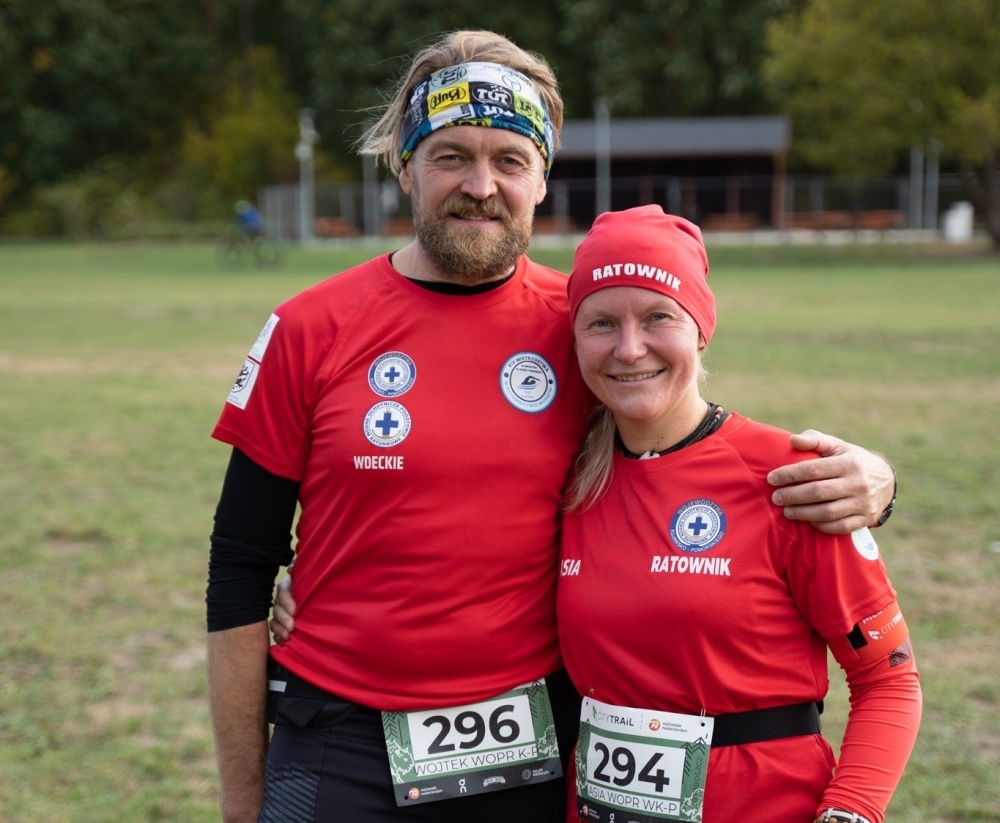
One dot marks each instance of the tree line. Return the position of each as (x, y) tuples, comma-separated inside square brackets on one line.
[(134, 110)]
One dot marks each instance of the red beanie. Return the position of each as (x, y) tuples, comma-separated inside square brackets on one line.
[(645, 247)]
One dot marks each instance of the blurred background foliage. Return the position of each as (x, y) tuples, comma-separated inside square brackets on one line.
[(865, 82), (120, 115)]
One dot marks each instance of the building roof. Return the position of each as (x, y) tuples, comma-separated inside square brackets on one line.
[(679, 137)]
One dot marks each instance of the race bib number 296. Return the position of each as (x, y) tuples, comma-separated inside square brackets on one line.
[(640, 765), (501, 743)]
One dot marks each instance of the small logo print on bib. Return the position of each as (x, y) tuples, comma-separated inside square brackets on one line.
[(392, 374), (387, 424), (528, 382), (697, 526)]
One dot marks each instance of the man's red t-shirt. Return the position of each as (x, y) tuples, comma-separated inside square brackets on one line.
[(432, 435)]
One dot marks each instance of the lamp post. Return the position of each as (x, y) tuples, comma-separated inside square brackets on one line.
[(916, 187), (308, 137), (369, 195), (602, 153), (932, 177)]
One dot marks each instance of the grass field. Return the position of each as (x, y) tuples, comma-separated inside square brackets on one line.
[(115, 361)]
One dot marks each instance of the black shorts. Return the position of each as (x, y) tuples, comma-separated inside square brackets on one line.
[(328, 763)]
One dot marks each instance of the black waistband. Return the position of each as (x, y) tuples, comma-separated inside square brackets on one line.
[(303, 704), (292, 701), (767, 724), (292, 685)]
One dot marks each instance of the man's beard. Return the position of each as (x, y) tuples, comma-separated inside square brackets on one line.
[(469, 255)]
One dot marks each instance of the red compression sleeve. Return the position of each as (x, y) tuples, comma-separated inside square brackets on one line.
[(884, 718)]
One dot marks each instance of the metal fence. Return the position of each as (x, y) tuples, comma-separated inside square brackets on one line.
[(715, 203)]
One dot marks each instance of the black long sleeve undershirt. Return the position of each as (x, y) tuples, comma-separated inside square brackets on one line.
[(251, 541)]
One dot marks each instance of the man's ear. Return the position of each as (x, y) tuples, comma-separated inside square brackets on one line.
[(542, 191), (405, 183)]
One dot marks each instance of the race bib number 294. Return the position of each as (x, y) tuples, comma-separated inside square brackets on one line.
[(640, 765), (496, 744)]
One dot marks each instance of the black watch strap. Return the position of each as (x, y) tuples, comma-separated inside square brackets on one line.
[(887, 511)]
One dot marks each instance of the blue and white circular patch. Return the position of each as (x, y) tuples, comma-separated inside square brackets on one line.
[(387, 424), (392, 374), (528, 382), (865, 543), (697, 526)]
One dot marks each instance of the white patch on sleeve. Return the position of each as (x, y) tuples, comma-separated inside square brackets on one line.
[(257, 352), (865, 543), (240, 393)]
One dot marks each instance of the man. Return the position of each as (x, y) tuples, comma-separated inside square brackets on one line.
[(423, 410), (249, 219)]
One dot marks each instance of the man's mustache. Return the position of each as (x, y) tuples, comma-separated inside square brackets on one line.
[(468, 207)]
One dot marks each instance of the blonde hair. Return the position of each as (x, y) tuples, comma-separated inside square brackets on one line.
[(383, 138), (595, 461)]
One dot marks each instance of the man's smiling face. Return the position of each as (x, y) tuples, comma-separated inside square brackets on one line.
[(474, 192)]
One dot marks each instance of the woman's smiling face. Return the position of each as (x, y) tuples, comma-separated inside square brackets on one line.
[(639, 353)]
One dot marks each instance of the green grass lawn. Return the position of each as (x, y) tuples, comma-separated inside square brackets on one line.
[(115, 362)]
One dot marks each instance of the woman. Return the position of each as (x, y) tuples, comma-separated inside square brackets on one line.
[(687, 603)]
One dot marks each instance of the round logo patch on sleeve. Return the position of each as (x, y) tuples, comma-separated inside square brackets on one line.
[(392, 374), (387, 424), (865, 543), (528, 382), (697, 526)]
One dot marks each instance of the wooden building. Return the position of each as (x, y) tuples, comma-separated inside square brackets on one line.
[(721, 172)]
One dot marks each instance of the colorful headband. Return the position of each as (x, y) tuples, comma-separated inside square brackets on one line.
[(478, 94)]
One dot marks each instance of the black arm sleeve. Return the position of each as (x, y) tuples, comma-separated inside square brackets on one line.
[(251, 540)]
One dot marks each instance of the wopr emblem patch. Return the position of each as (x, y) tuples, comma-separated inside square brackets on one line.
[(387, 424), (392, 374), (528, 382), (697, 526)]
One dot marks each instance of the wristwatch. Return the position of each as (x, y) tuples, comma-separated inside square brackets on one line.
[(840, 815), (887, 512)]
